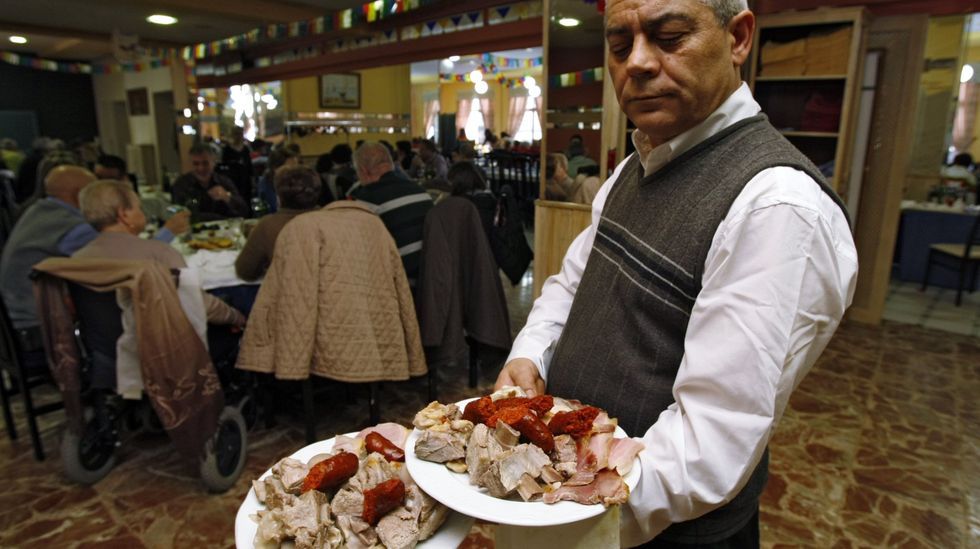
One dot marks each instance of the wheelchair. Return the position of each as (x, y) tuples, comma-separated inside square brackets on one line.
[(89, 456)]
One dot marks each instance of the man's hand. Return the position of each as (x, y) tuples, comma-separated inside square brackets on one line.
[(219, 193), (522, 373), (180, 223)]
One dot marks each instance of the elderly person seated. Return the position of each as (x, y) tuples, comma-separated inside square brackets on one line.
[(558, 185), (114, 210), (298, 189), (208, 195)]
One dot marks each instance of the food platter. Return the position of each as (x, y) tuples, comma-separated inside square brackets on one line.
[(448, 536), (455, 491)]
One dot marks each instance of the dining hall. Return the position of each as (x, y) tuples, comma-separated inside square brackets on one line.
[(490, 274)]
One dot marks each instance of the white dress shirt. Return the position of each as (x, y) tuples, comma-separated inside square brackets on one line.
[(778, 276)]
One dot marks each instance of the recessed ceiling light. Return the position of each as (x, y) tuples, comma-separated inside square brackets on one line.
[(568, 22), (160, 19), (454, 58), (18, 39)]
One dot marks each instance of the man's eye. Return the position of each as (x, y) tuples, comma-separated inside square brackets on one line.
[(670, 39)]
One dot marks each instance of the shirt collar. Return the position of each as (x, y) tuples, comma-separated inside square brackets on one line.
[(739, 106), (65, 205)]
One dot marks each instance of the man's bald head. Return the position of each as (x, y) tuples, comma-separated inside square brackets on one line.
[(65, 182)]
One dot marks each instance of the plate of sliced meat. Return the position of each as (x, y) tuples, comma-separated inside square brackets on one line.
[(352, 490), (509, 459)]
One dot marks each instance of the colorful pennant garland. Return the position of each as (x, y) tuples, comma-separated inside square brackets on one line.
[(500, 79), (80, 68), (512, 62), (578, 78)]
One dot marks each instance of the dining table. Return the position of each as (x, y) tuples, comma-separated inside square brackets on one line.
[(924, 224), (212, 248)]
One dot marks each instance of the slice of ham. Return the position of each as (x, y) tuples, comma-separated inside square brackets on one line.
[(622, 454), (608, 488), (394, 432)]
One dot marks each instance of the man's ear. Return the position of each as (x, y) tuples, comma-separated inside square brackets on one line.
[(740, 32)]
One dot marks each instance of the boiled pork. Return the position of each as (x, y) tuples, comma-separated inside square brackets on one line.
[(439, 447), (398, 529), (608, 488)]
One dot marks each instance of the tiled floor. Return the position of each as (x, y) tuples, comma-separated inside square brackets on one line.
[(880, 447), (934, 308)]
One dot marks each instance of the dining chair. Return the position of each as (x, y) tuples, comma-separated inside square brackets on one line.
[(964, 258), (27, 370)]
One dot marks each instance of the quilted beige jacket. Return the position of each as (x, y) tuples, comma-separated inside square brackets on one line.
[(335, 303)]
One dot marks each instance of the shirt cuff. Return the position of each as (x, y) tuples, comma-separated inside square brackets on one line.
[(164, 235), (541, 359)]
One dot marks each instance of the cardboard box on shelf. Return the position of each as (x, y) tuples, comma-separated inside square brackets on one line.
[(789, 67), (828, 52), (774, 52)]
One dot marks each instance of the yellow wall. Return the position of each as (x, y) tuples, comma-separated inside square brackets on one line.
[(944, 41), (384, 90)]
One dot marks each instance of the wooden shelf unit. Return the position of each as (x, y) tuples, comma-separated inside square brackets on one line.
[(805, 94)]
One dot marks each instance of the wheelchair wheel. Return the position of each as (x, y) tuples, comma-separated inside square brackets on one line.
[(89, 458), (250, 411), (224, 457)]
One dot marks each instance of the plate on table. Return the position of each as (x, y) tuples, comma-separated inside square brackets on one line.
[(448, 536), (455, 491)]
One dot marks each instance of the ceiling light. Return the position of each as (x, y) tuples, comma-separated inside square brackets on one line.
[(476, 76), (965, 75), (187, 113), (568, 22), (534, 92), (18, 39), (454, 58), (160, 19), (530, 82), (481, 87)]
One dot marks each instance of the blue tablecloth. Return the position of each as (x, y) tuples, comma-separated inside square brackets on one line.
[(921, 228)]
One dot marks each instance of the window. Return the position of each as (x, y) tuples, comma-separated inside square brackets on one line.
[(474, 124), (530, 128)]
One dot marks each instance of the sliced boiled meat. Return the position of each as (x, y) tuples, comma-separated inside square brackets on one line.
[(622, 454), (504, 473), (439, 447), (527, 488), (608, 488), (398, 529), (292, 473)]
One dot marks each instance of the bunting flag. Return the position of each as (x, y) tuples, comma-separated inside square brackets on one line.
[(80, 68), (512, 62), (571, 79)]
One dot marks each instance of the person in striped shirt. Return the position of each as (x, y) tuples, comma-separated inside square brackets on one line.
[(401, 203)]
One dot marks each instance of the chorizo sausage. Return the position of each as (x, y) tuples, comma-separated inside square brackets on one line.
[(331, 472), (375, 442), (527, 424), (382, 499), (479, 410), (577, 423)]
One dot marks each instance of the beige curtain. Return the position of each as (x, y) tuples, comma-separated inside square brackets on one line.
[(432, 109), (518, 103), (486, 107), (966, 114), (539, 104), (463, 112)]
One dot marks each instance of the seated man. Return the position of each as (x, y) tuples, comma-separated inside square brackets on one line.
[(577, 158), (429, 164), (401, 203), (298, 189), (50, 227), (208, 195), (114, 210), (110, 166)]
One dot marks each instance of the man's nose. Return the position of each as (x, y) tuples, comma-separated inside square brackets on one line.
[(644, 60)]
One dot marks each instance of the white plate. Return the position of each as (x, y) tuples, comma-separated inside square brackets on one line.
[(455, 491), (448, 536)]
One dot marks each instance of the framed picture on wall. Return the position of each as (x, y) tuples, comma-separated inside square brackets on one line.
[(340, 91), (139, 102)]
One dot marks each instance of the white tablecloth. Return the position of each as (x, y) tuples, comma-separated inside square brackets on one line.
[(216, 268)]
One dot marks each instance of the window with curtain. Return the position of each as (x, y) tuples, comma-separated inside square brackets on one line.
[(432, 108), (529, 127), (475, 123)]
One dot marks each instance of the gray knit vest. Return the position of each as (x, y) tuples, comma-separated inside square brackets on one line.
[(34, 238), (624, 339)]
